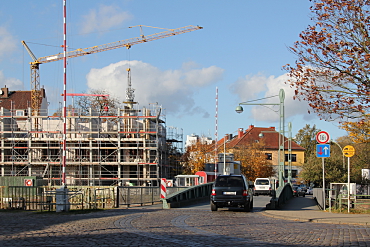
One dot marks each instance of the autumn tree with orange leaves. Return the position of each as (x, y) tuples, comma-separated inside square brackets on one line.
[(359, 132), (253, 161), (196, 156), (332, 67)]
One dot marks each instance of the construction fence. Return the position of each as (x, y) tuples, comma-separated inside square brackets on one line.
[(43, 198)]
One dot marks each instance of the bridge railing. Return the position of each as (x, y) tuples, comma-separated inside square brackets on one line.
[(188, 196), (280, 197)]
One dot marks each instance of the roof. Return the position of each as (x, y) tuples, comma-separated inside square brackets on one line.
[(17, 99), (269, 136)]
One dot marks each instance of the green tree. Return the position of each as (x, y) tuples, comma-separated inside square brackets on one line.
[(334, 170), (306, 138), (332, 68), (336, 166)]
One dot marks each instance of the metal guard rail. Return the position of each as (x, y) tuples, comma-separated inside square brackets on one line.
[(280, 197), (189, 196)]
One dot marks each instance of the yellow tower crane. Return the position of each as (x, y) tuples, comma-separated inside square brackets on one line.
[(35, 76)]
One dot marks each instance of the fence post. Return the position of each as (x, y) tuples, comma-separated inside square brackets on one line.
[(117, 197), (128, 196), (141, 196)]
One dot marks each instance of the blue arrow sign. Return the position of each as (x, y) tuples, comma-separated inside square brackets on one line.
[(323, 150)]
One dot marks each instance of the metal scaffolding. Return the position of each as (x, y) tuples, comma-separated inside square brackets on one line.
[(125, 149)]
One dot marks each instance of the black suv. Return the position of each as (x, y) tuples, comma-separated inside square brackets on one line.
[(232, 191)]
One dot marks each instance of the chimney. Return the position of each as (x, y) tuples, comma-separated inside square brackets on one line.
[(240, 132), (4, 92), (230, 137)]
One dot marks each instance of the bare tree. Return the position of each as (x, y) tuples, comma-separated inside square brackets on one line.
[(103, 105)]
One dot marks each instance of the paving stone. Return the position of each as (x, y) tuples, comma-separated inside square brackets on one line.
[(174, 227)]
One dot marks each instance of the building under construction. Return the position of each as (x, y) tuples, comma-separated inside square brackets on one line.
[(125, 147)]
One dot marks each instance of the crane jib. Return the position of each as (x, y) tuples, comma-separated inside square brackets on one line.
[(118, 44), (35, 78)]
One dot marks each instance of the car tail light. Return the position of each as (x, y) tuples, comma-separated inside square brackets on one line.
[(213, 193), (245, 192)]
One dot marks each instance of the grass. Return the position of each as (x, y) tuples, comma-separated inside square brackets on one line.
[(351, 211)]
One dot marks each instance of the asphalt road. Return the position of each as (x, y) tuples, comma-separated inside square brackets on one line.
[(191, 226)]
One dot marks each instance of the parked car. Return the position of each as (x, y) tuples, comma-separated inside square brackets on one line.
[(232, 191), (303, 187), (309, 191), (297, 191), (262, 186)]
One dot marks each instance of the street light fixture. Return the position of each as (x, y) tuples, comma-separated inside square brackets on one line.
[(239, 109), (281, 156)]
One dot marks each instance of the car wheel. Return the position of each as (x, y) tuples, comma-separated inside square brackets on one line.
[(213, 207)]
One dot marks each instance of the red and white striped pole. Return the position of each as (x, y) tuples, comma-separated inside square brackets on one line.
[(163, 188), (216, 133), (64, 95)]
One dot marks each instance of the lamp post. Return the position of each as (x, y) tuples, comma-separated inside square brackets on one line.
[(289, 149), (290, 153), (341, 149), (281, 156)]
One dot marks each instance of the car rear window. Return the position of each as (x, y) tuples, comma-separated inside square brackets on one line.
[(229, 182), (262, 182)]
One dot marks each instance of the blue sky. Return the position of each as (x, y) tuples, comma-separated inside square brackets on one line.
[(240, 50)]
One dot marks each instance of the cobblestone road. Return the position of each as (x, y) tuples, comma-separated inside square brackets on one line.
[(175, 227)]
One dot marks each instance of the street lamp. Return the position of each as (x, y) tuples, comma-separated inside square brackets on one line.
[(281, 156), (341, 149)]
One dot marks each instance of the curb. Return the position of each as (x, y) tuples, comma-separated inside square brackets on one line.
[(313, 220)]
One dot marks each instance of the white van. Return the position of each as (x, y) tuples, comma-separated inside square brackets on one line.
[(262, 186)]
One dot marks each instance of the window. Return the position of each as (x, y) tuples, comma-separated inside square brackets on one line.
[(294, 173), (268, 156), (230, 181), (19, 113), (293, 157)]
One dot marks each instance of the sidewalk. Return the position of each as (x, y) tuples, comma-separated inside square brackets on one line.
[(305, 209)]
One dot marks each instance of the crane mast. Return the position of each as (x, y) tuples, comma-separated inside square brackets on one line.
[(35, 75)]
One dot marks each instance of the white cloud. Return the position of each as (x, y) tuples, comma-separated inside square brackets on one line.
[(11, 83), (267, 89), (104, 18), (173, 89), (7, 42)]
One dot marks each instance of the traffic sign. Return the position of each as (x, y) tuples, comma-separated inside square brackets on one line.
[(348, 151), (322, 137), (28, 182), (323, 150)]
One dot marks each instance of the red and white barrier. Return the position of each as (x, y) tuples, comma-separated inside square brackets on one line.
[(163, 188)]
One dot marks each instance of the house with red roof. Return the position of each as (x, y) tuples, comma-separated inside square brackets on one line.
[(270, 137), (18, 103)]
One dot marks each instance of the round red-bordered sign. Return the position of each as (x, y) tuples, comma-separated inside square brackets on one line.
[(28, 182), (322, 137)]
